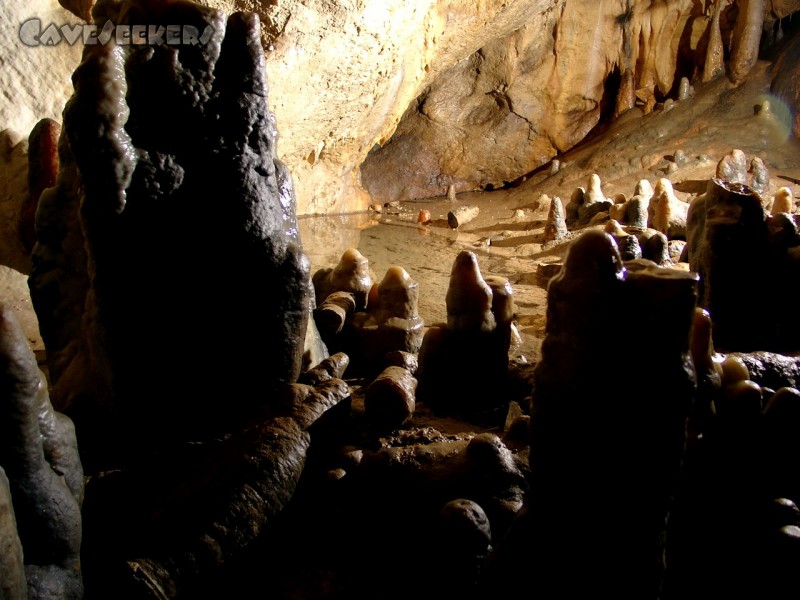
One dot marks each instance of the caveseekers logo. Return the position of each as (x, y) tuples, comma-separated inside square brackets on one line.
[(32, 34)]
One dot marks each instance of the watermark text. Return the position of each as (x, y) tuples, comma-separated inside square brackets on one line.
[(32, 33)]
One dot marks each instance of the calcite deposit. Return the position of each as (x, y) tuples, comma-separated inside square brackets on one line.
[(155, 193), (608, 421), (667, 212), (586, 202), (463, 363), (352, 274), (41, 480), (732, 239)]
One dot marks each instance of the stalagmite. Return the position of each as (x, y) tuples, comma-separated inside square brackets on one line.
[(733, 167), (667, 211), (351, 274), (556, 227), (39, 457), (759, 176), (731, 246), (143, 179), (783, 201), (628, 444), (42, 173), (463, 363)]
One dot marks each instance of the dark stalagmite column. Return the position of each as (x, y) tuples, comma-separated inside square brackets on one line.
[(611, 397), (169, 278), (731, 248)]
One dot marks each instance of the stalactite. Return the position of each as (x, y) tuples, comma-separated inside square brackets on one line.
[(714, 66), (746, 39)]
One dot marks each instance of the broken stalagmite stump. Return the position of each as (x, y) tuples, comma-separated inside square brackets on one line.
[(461, 216), (391, 323)]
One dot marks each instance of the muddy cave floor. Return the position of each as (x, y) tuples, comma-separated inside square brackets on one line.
[(372, 545)]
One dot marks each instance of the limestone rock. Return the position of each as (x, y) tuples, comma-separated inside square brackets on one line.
[(746, 39), (584, 439), (39, 457), (155, 176), (463, 364), (486, 97), (337, 110), (511, 107), (35, 79), (730, 245), (785, 82)]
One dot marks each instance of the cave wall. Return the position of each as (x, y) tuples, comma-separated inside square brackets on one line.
[(519, 101), (427, 92)]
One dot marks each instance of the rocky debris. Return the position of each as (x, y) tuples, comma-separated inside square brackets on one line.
[(461, 216), (465, 534), (389, 399), (41, 480)]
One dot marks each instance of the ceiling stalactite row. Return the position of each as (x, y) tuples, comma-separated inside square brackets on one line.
[(535, 96)]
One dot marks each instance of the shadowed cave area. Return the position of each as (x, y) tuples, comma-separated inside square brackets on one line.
[(582, 381)]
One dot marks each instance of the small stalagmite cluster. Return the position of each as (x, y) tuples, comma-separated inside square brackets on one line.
[(367, 319)]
